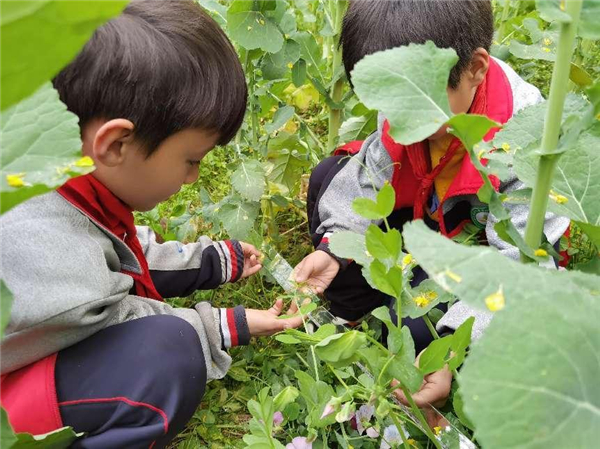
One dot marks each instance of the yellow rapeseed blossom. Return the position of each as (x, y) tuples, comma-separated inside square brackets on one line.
[(412, 442), (406, 260), (431, 295), (557, 198), (541, 253), (422, 301), (546, 49), (562, 5), (437, 430), (15, 180), (495, 301), (85, 161), (455, 277), (506, 146), (290, 65), (547, 41)]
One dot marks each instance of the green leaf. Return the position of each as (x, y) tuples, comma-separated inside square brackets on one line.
[(40, 37), (238, 217), (421, 300), (6, 299), (275, 65), (379, 209), (392, 82), (288, 163), (551, 11), (383, 314), (593, 232), (350, 245), (434, 357), (285, 397), (358, 128), (58, 439), (340, 347), (475, 273), (539, 368), (589, 25), (383, 245), (310, 51), (460, 342), (280, 118), (249, 179), (576, 184), (407, 373), (41, 145), (251, 29), (299, 73), (388, 282), (471, 128), (7, 436), (287, 339)]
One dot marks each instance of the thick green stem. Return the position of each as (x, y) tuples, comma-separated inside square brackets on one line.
[(548, 160), (337, 90), (417, 411)]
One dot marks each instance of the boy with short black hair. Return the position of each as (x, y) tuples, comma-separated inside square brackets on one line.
[(434, 179), (91, 344)]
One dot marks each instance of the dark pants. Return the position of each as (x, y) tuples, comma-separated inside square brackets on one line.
[(349, 295), (132, 385)]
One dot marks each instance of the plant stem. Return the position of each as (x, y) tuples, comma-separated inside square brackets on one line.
[(335, 115), (431, 327), (252, 98), (548, 160), (420, 417), (400, 430)]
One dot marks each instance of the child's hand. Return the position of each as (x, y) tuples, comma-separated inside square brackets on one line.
[(318, 270), (251, 260), (434, 392), (265, 322)]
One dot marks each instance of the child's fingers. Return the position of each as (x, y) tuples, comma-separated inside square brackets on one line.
[(249, 271), (301, 272), (277, 307), (292, 323)]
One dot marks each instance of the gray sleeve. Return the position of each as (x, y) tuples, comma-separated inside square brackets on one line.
[(30, 344), (554, 227), (362, 175)]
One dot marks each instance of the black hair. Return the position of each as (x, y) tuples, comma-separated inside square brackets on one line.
[(370, 26), (166, 66)]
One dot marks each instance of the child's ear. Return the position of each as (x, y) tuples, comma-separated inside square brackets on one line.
[(107, 146), (480, 63)]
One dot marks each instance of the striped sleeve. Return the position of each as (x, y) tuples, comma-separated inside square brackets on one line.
[(234, 327), (232, 260)]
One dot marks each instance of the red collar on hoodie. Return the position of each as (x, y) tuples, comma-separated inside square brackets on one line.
[(413, 178), (92, 198)]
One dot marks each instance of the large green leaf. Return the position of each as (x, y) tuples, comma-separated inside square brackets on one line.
[(340, 347), (532, 379), (249, 179), (576, 184), (285, 153), (59, 439), (589, 25), (350, 245), (40, 147), (40, 37), (7, 436), (358, 128), (475, 274), (250, 28), (392, 82), (237, 216)]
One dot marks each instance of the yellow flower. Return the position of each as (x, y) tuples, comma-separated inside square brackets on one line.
[(506, 146), (85, 161), (406, 260), (562, 5), (412, 442), (541, 253), (431, 295), (15, 180), (290, 65), (495, 301), (547, 41), (455, 277), (422, 301), (560, 199), (437, 430), (546, 49)]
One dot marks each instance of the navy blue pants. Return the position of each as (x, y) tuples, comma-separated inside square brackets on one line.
[(349, 295), (133, 385)]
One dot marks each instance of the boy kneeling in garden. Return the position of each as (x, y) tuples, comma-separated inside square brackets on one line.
[(434, 179), (91, 344)]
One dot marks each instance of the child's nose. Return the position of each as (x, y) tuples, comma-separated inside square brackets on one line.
[(192, 176)]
